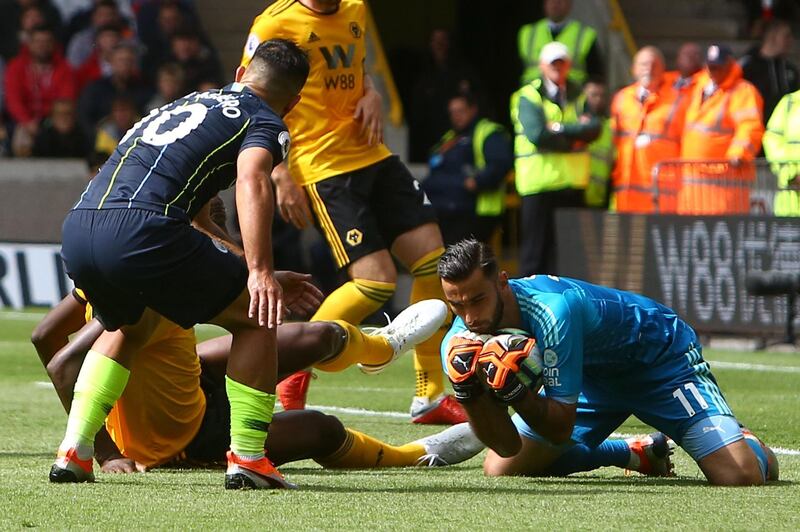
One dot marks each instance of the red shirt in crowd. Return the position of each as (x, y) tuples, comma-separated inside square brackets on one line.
[(31, 89)]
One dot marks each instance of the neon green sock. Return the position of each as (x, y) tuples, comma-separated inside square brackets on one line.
[(251, 414), (100, 383)]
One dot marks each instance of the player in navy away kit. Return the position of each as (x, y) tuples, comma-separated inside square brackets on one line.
[(129, 245), (604, 354)]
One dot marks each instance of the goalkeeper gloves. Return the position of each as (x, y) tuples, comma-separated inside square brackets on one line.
[(461, 361), (500, 360)]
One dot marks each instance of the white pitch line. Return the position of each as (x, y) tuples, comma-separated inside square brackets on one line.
[(21, 316), (359, 411), (753, 367)]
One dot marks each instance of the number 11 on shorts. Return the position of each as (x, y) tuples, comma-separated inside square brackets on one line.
[(678, 394)]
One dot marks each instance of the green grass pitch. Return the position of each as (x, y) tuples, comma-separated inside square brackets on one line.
[(460, 497)]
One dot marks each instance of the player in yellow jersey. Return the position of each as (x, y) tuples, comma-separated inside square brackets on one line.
[(175, 410), (363, 199)]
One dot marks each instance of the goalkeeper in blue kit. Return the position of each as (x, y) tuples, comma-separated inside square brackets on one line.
[(601, 355)]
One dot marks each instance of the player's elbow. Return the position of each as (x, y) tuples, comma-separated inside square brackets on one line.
[(561, 435)]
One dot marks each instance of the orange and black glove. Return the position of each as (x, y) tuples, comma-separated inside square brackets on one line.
[(461, 361), (500, 360)]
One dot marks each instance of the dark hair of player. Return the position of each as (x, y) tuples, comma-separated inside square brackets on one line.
[(464, 257), (282, 66)]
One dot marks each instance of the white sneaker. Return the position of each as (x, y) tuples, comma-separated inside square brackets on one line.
[(415, 324), (451, 446)]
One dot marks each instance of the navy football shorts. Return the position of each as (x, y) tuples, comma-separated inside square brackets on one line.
[(129, 259)]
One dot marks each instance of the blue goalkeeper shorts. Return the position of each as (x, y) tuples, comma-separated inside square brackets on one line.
[(672, 397)]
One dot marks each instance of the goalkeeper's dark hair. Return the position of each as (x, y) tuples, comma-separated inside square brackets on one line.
[(461, 259), (282, 66)]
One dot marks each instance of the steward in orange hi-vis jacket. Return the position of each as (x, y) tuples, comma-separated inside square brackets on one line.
[(647, 121), (723, 122)]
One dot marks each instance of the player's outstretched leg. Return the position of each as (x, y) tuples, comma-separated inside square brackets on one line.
[(415, 325), (372, 285), (310, 434)]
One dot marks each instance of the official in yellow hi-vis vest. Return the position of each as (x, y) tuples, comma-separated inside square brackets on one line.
[(468, 166), (580, 40), (361, 197), (551, 157), (782, 147)]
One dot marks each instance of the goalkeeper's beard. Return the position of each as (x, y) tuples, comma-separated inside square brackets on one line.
[(497, 316)]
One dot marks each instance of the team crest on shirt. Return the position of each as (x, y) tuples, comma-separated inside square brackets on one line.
[(285, 142), (550, 358), (313, 37), (355, 29), (354, 237), (251, 44)]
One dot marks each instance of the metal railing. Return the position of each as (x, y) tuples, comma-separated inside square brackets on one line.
[(722, 187)]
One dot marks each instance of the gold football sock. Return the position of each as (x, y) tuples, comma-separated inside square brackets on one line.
[(354, 301), (427, 360), (360, 451), (359, 347)]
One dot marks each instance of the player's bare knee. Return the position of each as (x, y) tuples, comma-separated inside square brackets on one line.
[(330, 431), (495, 466), (330, 338), (739, 477)]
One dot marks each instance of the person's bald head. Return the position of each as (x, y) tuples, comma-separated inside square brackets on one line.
[(648, 67), (277, 73), (689, 60)]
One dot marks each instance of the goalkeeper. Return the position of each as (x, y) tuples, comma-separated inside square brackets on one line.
[(605, 355)]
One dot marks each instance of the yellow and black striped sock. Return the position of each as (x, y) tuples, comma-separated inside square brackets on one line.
[(427, 361), (354, 301), (360, 451), (359, 347)]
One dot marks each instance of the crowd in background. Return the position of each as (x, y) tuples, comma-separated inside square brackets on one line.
[(678, 141), (77, 74)]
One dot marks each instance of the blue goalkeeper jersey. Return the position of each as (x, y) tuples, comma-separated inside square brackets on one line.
[(586, 329), (179, 156)]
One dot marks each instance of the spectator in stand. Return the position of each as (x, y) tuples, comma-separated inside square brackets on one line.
[(689, 62), (60, 134), (199, 62), (580, 40), (95, 101), (124, 114), (29, 18), (170, 85), (19, 17), (105, 14), (647, 118), (723, 121), (158, 21), (442, 75), (766, 66), (782, 148), (468, 167), (602, 152), (78, 14), (34, 79), (99, 62), (552, 161)]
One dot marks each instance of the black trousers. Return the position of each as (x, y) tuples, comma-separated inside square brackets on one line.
[(458, 226), (537, 254)]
